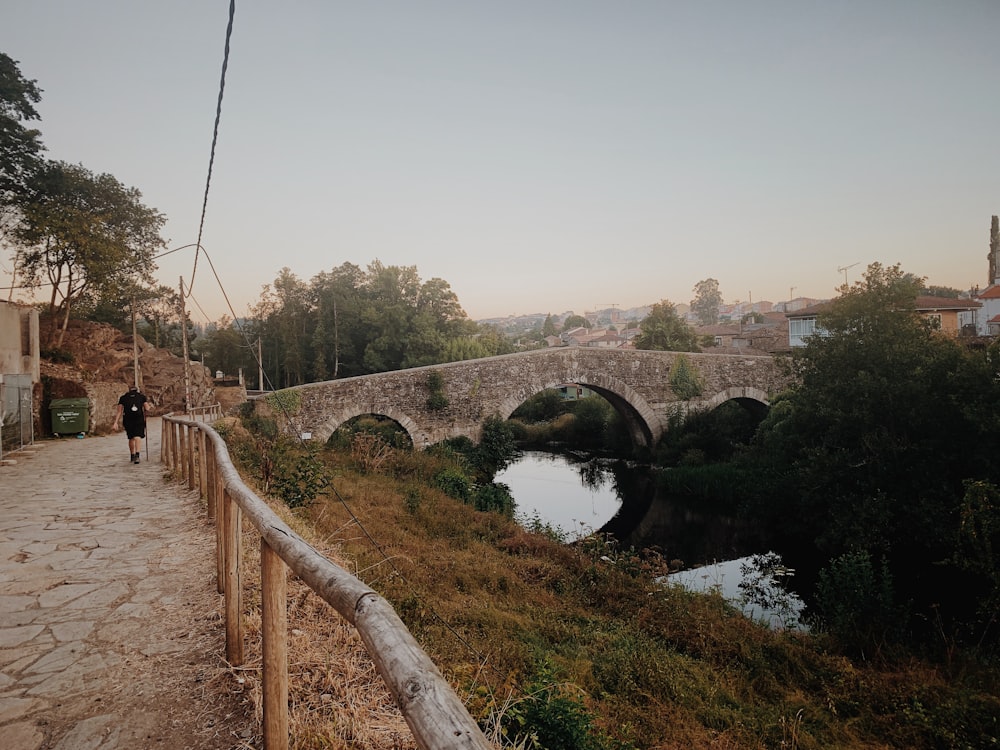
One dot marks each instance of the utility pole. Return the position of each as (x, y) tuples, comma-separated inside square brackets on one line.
[(187, 358), (136, 379), (260, 367)]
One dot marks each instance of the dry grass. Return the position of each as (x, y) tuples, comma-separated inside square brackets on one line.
[(336, 698), (657, 668)]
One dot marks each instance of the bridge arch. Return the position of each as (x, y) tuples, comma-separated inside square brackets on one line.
[(734, 393), (640, 419), (416, 435)]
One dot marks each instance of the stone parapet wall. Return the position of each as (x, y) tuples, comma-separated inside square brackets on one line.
[(635, 381)]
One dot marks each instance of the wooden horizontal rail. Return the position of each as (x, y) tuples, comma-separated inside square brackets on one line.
[(432, 710)]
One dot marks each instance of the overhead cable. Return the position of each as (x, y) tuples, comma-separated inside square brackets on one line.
[(215, 137)]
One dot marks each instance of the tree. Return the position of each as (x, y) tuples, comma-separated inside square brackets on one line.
[(19, 146), (888, 421), (549, 326), (84, 234), (225, 348), (337, 297), (947, 292), (575, 321), (289, 326), (706, 302), (663, 330)]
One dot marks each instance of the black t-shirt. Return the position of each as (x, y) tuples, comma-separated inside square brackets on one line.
[(132, 409)]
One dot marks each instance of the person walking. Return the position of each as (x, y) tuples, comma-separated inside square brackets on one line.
[(131, 414)]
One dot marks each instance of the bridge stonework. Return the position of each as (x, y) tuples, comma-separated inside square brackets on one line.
[(636, 382)]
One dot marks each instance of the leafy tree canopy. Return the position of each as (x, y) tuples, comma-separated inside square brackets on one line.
[(354, 321), (888, 421), (664, 330), (948, 292), (707, 301), (84, 234), (19, 145), (575, 321), (549, 326)]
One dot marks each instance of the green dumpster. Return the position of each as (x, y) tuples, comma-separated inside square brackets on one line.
[(70, 415)]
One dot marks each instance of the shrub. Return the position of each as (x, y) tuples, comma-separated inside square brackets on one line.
[(854, 600), (454, 483), (684, 379), (286, 401), (437, 399), (298, 475), (553, 717), (494, 498)]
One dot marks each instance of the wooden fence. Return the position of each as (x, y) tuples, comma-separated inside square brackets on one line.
[(198, 455)]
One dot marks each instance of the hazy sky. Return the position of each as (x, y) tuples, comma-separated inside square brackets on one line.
[(538, 155)]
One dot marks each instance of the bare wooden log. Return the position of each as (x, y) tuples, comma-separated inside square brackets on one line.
[(274, 627)]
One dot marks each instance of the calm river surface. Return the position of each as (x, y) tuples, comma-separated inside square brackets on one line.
[(581, 496)]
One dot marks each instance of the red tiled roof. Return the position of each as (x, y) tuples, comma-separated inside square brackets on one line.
[(990, 292), (927, 304), (924, 303)]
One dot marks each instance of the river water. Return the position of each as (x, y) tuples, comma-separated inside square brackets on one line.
[(582, 495)]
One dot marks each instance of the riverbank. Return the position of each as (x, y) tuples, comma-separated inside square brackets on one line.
[(580, 639)]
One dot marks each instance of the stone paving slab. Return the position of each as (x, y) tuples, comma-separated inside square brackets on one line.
[(108, 608)]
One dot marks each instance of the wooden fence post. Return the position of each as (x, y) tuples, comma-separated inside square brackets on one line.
[(274, 628), (203, 464), (211, 484), (183, 451), (220, 521), (233, 537), (192, 450)]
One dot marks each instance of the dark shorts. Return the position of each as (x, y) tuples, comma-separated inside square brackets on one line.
[(137, 430)]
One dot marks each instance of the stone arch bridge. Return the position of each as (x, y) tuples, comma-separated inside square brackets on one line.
[(635, 382)]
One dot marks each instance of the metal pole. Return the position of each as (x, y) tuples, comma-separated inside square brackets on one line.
[(187, 358), (135, 351)]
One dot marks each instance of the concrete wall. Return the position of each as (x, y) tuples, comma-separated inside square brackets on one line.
[(19, 341)]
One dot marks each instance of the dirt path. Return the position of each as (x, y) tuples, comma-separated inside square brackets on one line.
[(110, 635)]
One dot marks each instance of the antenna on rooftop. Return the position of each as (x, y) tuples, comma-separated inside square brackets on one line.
[(844, 269)]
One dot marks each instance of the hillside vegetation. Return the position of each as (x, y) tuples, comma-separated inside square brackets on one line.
[(559, 646)]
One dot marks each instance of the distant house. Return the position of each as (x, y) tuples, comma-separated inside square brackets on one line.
[(723, 335), (802, 324), (946, 315), (599, 337), (988, 319), (573, 335), (604, 340), (573, 391)]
